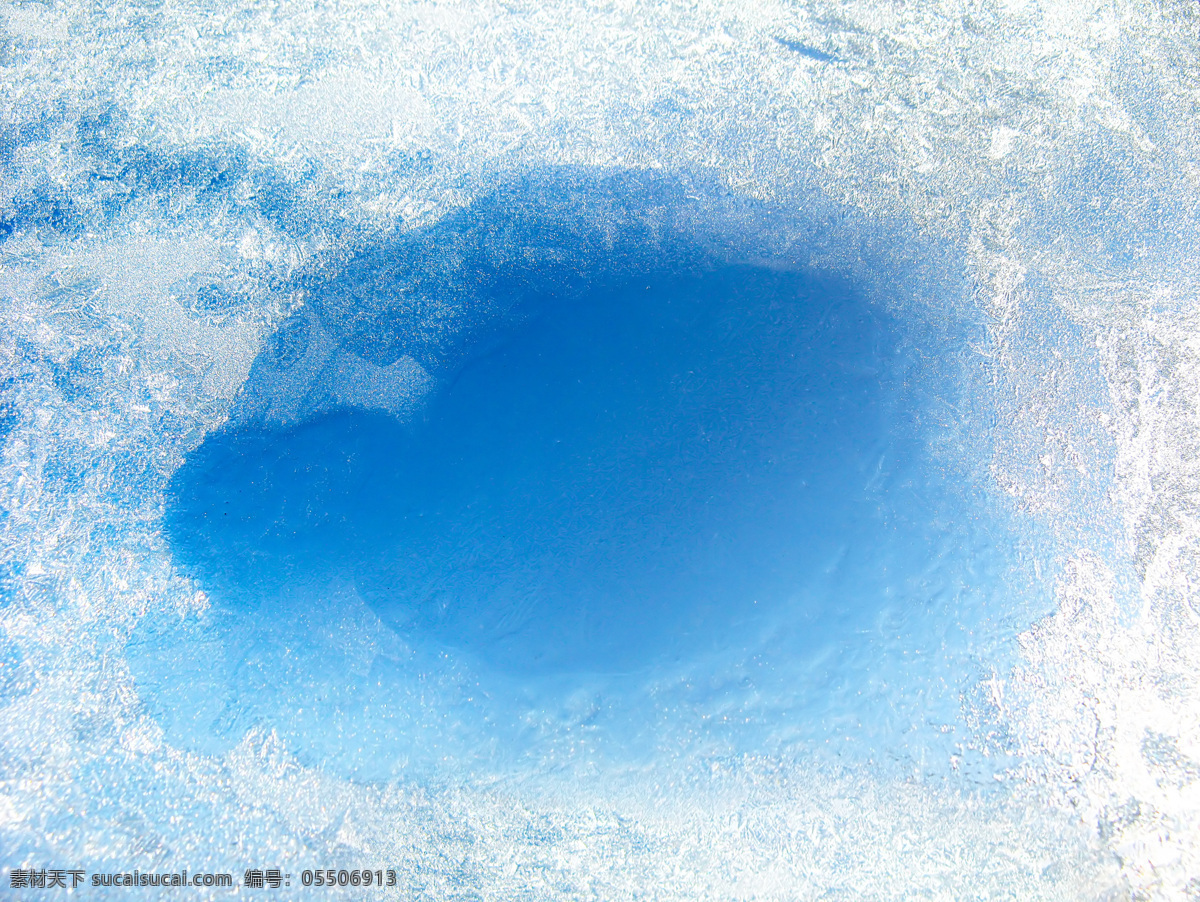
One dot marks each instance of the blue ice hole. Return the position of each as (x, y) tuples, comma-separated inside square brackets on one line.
[(619, 464), (628, 476)]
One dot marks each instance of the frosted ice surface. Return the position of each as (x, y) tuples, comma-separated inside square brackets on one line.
[(572, 450)]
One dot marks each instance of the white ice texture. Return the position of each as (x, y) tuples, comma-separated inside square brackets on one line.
[(968, 669)]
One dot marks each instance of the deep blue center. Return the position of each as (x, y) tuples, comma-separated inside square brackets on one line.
[(635, 473)]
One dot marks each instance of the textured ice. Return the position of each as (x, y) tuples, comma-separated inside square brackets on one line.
[(273, 226), (639, 442)]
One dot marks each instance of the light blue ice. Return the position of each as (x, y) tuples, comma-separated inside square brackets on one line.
[(646, 452), (590, 451)]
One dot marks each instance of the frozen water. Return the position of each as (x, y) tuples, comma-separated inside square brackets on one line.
[(621, 469), (713, 450), (627, 453)]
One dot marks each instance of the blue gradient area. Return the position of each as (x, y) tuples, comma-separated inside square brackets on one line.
[(649, 498), (622, 477)]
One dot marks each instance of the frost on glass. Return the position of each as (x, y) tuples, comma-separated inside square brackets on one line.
[(233, 239), (629, 449)]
